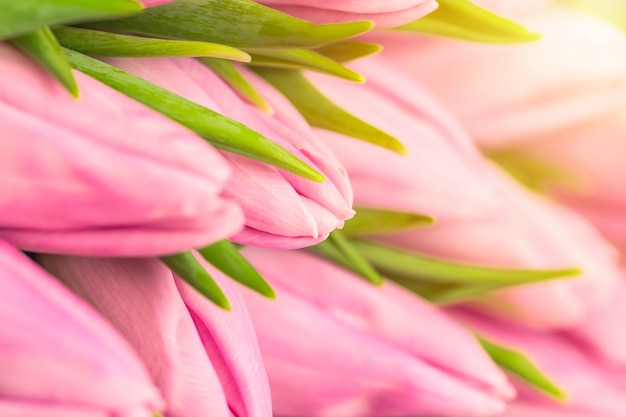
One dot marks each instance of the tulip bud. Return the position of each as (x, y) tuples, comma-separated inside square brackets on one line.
[(334, 345), (205, 360), (103, 174), (281, 209), (443, 175), (58, 357), (590, 389), (383, 13), (506, 94), (529, 233)]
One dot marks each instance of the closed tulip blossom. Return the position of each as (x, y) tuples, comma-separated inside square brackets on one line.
[(529, 233), (334, 345), (383, 13), (589, 386), (58, 357), (281, 209), (205, 360), (509, 93), (153, 3), (443, 174), (589, 157), (137, 185)]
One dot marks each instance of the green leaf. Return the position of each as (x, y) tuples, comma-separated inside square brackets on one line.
[(463, 19), (518, 364), (239, 23), (231, 75), (347, 51), (372, 221), (338, 249), (42, 46), (93, 42), (321, 112), (536, 172), (19, 17), (226, 257), (187, 267), (220, 131), (303, 59), (445, 281)]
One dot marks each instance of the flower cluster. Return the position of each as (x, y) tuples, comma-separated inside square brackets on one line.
[(312, 208)]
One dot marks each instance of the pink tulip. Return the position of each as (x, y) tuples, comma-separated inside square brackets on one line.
[(529, 233), (383, 13), (281, 209), (506, 94), (601, 332), (103, 174), (593, 154), (334, 345), (443, 175), (205, 360), (589, 387), (58, 357)]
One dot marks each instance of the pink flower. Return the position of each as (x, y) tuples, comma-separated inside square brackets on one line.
[(60, 358), (529, 233), (205, 360), (103, 174), (505, 94), (443, 175), (593, 154), (383, 13), (590, 388), (281, 209), (334, 345)]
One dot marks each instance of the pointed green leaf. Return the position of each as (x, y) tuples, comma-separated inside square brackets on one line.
[(303, 59), (94, 42), (220, 131), (42, 46), (520, 365), (19, 17), (187, 267), (537, 173), (239, 23), (226, 257), (409, 266), (347, 51), (338, 249), (463, 19), (321, 112), (371, 221), (231, 75)]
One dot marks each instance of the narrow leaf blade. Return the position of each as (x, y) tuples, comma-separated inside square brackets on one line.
[(226, 257), (462, 19), (321, 112), (187, 267), (522, 367), (42, 46), (93, 42), (347, 51), (239, 23), (338, 249), (231, 75), (372, 221), (303, 59), (397, 263), (219, 130), (25, 16)]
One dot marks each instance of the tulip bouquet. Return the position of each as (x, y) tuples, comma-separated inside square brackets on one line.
[(308, 208)]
